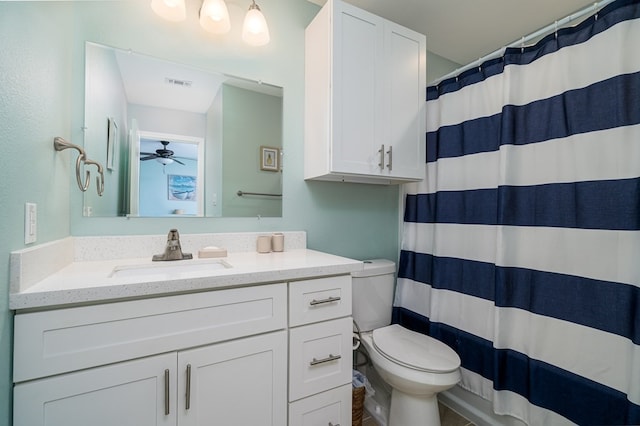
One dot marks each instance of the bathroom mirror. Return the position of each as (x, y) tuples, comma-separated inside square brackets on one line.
[(178, 141)]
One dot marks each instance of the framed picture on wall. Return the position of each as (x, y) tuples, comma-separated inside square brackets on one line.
[(112, 142), (182, 188), (269, 158)]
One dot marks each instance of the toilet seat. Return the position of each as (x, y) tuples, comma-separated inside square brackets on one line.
[(415, 350)]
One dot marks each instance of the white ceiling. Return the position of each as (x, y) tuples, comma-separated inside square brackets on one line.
[(465, 30), (155, 82)]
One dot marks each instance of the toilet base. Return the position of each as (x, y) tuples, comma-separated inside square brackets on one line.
[(413, 410)]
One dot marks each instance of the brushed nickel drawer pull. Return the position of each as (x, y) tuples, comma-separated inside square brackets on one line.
[(331, 424), (187, 403), (166, 393), (321, 301), (327, 359)]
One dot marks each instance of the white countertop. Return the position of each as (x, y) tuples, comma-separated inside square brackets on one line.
[(81, 282)]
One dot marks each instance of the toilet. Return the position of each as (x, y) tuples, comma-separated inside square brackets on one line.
[(417, 367)]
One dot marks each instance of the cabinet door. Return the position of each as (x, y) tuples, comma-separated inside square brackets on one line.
[(332, 407), (358, 39), (406, 93), (125, 394), (236, 383)]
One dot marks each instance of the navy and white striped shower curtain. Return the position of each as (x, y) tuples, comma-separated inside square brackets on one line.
[(521, 249)]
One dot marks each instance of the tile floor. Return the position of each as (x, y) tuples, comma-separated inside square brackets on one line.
[(448, 417)]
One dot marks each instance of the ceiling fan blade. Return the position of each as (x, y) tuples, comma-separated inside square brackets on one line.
[(177, 161), (148, 158), (148, 153)]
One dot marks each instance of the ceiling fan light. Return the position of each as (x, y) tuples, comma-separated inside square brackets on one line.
[(164, 161), (171, 10), (214, 16), (255, 31)]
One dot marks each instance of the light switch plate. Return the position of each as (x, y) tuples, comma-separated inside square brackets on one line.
[(30, 222)]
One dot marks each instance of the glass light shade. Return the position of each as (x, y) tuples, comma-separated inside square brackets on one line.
[(255, 30), (171, 10), (214, 16), (164, 161)]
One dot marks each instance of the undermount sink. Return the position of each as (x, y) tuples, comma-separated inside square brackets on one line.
[(169, 268)]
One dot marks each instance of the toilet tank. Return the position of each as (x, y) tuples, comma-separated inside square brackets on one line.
[(373, 288)]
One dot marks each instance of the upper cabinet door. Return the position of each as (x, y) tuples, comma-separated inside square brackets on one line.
[(406, 93), (365, 82), (358, 98)]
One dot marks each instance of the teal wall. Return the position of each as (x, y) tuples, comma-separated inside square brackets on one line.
[(437, 66), (42, 96), (36, 78), (249, 120)]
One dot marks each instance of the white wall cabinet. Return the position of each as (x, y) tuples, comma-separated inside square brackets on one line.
[(365, 81)]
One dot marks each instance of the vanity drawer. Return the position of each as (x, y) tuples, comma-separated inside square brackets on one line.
[(332, 407), (319, 299), (319, 357), (58, 341)]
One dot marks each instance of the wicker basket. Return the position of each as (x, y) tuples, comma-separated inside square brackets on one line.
[(357, 405)]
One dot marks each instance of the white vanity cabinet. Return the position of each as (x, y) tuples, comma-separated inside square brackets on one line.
[(365, 90), (320, 351), (177, 360)]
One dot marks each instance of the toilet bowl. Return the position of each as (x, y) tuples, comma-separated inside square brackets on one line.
[(414, 387), (416, 366)]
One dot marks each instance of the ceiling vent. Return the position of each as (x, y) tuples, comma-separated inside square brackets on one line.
[(176, 82)]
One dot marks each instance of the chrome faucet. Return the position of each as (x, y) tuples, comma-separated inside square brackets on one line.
[(173, 250)]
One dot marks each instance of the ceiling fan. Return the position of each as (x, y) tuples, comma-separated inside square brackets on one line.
[(162, 155)]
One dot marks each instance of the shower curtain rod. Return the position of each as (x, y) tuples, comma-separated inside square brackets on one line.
[(520, 42)]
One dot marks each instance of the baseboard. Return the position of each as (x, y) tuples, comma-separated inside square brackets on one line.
[(474, 408)]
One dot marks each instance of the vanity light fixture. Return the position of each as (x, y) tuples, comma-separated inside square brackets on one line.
[(214, 16), (255, 30), (171, 10)]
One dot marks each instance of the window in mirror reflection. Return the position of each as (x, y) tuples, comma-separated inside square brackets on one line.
[(169, 176)]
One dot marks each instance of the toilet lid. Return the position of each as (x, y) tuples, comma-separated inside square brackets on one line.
[(415, 350)]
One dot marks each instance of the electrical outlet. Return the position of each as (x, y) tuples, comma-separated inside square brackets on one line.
[(30, 222)]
